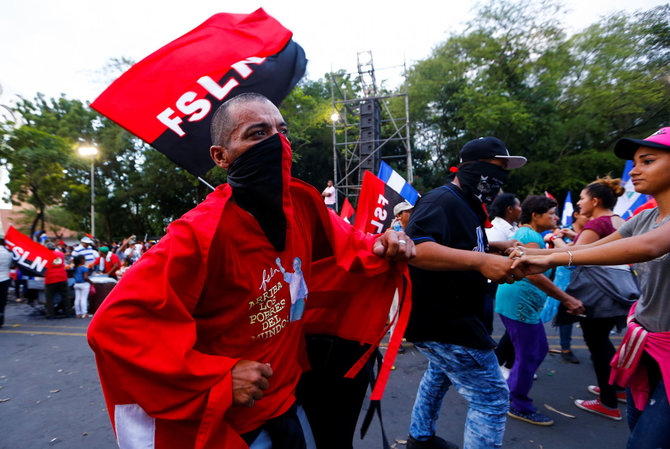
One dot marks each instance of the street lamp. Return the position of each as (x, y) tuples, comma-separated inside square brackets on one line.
[(92, 152)]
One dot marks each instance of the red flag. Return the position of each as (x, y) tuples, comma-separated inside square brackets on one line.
[(168, 99), (30, 256), (375, 205), (347, 210), (549, 195)]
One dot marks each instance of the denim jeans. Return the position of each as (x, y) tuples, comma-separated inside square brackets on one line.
[(477, 377), (649, 428), (565, 332), (263, 440)]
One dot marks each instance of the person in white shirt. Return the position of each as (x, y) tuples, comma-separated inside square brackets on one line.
[(85, 248), (329, 195), (505, 210), (5, 263)]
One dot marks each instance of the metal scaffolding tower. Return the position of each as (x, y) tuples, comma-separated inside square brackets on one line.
[(364, 129)]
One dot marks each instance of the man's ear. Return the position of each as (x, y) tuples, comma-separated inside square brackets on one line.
[(219, 156)]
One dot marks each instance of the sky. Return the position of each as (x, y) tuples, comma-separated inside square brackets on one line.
[(60, 47)]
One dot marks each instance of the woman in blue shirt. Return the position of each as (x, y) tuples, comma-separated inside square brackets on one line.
[(519, 306), (82, 286)]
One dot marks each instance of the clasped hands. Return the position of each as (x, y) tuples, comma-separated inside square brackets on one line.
[(515, 266)]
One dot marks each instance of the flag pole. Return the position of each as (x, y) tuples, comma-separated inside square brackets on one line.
[(206, 183)]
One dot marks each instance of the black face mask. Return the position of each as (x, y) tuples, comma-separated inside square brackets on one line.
[(482, 179), (257, 179)]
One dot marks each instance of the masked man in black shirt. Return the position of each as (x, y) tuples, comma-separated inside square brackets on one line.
[(449, 283)]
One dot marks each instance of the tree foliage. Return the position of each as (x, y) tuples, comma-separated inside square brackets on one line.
[(560, 101), (38, 174)]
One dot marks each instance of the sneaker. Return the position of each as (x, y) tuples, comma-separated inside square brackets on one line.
[(530, 417), (594, 406), (620, 395), (505, 371), (569, 357), (434, 443)]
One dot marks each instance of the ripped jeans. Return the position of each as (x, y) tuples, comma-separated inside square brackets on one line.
[(477, 377)]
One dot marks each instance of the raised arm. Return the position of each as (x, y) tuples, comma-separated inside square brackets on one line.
[(435, 257), (615, 251)]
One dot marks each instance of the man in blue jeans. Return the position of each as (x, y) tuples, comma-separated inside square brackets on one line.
[(449, 285)]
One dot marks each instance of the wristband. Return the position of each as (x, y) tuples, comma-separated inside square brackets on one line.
[(570, 261)]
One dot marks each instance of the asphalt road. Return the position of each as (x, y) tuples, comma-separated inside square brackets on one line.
[(50, 395)]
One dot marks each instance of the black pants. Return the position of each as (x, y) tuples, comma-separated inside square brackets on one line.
[(505, 351), (4, 287), (64, 290), (597, 337), (332, 403)]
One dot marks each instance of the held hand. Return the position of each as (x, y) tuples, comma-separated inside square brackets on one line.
[(503, 246), (569, 233), (249, 381), (574, 306), (530, 264), (396, 246), (516, 250), (499, 269)]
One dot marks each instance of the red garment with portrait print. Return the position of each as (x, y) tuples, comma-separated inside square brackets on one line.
[(211, 293)]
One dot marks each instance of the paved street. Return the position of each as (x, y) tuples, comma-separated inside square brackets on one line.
[(50, 395)]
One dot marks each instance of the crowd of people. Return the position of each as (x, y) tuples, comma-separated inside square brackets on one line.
[(206, 342), (600, 298), (67, 280)]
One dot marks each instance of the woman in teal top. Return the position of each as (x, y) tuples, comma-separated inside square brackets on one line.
[(519, 306)]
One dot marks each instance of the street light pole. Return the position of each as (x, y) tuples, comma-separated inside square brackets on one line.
[(91, 151), (92, 201)]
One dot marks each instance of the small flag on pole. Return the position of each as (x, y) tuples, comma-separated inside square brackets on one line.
[(347, 211), (568, 209), (375, 205), (397, 183)]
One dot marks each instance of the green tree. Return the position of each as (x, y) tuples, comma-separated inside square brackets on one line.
[(559, 101), (37, 174), (307, 111)]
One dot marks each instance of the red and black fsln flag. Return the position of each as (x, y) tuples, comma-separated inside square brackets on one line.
[(169, 98)]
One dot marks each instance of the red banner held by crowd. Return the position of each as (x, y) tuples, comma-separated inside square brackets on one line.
[(168, 98), (31, 257), (374, 212)]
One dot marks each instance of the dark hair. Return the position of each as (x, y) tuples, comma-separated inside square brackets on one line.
[(535, 204), (500, 205), (222, 122), (79, 260), (607, 190)]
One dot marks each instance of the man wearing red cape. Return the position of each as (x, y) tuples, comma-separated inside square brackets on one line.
[(196, 346)]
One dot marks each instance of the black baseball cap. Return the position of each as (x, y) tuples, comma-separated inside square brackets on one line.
[(490, 148)]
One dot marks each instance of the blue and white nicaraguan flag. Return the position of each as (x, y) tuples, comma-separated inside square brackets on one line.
[(568, 209), (397, 183), (630, 200)]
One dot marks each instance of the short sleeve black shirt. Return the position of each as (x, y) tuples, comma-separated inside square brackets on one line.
[(448, 306)]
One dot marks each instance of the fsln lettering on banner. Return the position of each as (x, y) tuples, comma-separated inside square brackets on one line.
[(189, 105), (380, 213)]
